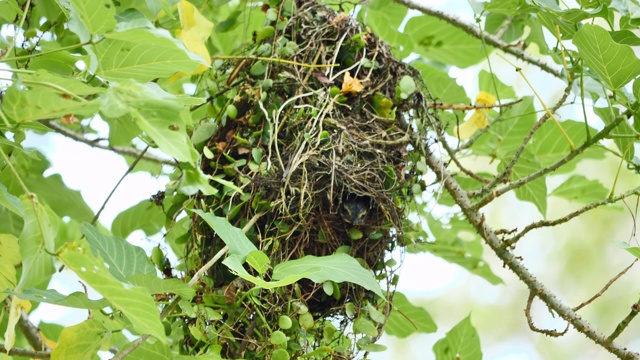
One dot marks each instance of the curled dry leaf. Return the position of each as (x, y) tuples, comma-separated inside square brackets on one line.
[(351, 85)]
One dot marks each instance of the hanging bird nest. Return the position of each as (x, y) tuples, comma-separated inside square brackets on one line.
[(314, 125)]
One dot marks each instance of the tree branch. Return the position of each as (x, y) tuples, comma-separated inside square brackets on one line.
[(566, 218), (31, 332), (122, 150), (26, 353), (477, 33), (522, 181), (477, 220)]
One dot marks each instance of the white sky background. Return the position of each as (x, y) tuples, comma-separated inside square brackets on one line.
[(425, 279)]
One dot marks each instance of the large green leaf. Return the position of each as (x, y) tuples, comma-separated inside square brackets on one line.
[(579, 188), (36, 244), (144, 216), (39, 103), (440, 41), (77, 299), (616, 64), (164, 117), (92, 17), (406, 319), (122, 258), (141, 55), (134, 302), (233, 237), (9, 258), (81, 341), (461, 342), (337, 268)]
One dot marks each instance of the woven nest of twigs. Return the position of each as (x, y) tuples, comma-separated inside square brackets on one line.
[(305, 139)]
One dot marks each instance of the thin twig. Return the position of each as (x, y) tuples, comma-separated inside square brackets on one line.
[(130, 169), (122, 150), (474, 31), (566, 218), (625, 322), (26, 353), (527, 179), (533, 327), (442, 106), (514, 263), (605, 288)]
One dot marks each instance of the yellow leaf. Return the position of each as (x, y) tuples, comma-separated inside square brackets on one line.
[(351, 85), (477, 120), (484, 98), (196, 29), (17, 305)]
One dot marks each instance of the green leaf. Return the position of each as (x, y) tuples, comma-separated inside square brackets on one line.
[(76, 299), (155, 285), (623, 135), (36, 103), (162, 116), (144, 216), (61, 84), (98, 17), (457, 243), (440, 41), (490, 83), (36, 244), (615, 64), (441, 85), (508, 131), (407, 86), (134, 302), (406, 318), (549, 144), (9, 258), (122, 258), (534, 191), (579, 188), (364, 326), (461, 342), (81, 341), (259, 261), (233, 237), (141, 55), (633, 250), (337, 268), (384, 18), (10, 202)]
